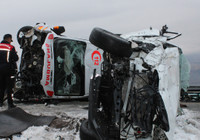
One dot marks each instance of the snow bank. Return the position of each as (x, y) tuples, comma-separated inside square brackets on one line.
[(188, 126)]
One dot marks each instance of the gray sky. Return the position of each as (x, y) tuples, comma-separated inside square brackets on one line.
[(118, 16)]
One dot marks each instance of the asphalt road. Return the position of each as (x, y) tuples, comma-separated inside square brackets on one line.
[(195, 106)]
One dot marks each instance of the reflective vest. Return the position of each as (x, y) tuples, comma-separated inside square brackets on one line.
[(5, 52)]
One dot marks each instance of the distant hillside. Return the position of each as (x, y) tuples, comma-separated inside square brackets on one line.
[(194, 60)]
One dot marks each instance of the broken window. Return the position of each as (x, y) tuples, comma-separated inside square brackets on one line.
[(69, 67)]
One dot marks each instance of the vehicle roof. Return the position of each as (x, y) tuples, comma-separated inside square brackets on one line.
[(68, 37)]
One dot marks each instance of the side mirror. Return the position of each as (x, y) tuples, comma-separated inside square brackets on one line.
[(58, 29)]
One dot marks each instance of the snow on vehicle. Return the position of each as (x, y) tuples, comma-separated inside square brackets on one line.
[(136, 96), (54, 66)]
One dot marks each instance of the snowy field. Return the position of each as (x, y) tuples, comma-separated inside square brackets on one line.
[(70, 114)]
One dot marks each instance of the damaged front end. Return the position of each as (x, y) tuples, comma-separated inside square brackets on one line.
[(31, 63), (36, 62)]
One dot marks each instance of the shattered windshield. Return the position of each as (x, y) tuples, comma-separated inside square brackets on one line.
[(69, 67)]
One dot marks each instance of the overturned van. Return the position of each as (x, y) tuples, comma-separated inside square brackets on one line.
[(53, 65)]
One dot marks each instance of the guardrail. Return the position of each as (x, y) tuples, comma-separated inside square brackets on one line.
[(194, 88), (192, 95)]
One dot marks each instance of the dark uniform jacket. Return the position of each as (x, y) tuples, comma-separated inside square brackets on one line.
[(8, 58)]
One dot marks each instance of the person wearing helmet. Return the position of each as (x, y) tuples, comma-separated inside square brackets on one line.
[(8, 69)]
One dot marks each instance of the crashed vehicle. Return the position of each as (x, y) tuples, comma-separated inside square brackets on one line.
[(54, 66), (136, 95)]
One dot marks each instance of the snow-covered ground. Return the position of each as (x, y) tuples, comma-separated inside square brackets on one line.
[(65, 127), (188, 126), (70, 114)]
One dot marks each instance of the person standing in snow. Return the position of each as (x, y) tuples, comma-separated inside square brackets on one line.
[(8, 69)]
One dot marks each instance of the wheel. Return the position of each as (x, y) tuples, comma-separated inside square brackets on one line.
[(22, 30), (85, 133), (110, 42)]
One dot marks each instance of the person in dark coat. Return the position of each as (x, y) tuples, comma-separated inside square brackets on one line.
[(8, 69)]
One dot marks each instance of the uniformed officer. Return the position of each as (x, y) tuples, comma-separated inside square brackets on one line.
[(8, 69)]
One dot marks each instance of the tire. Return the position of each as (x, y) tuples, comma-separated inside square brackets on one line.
[(23, 29), (85, 133), (110, 42)]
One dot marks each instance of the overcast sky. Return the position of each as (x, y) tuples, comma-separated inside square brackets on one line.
[(118, 16)]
